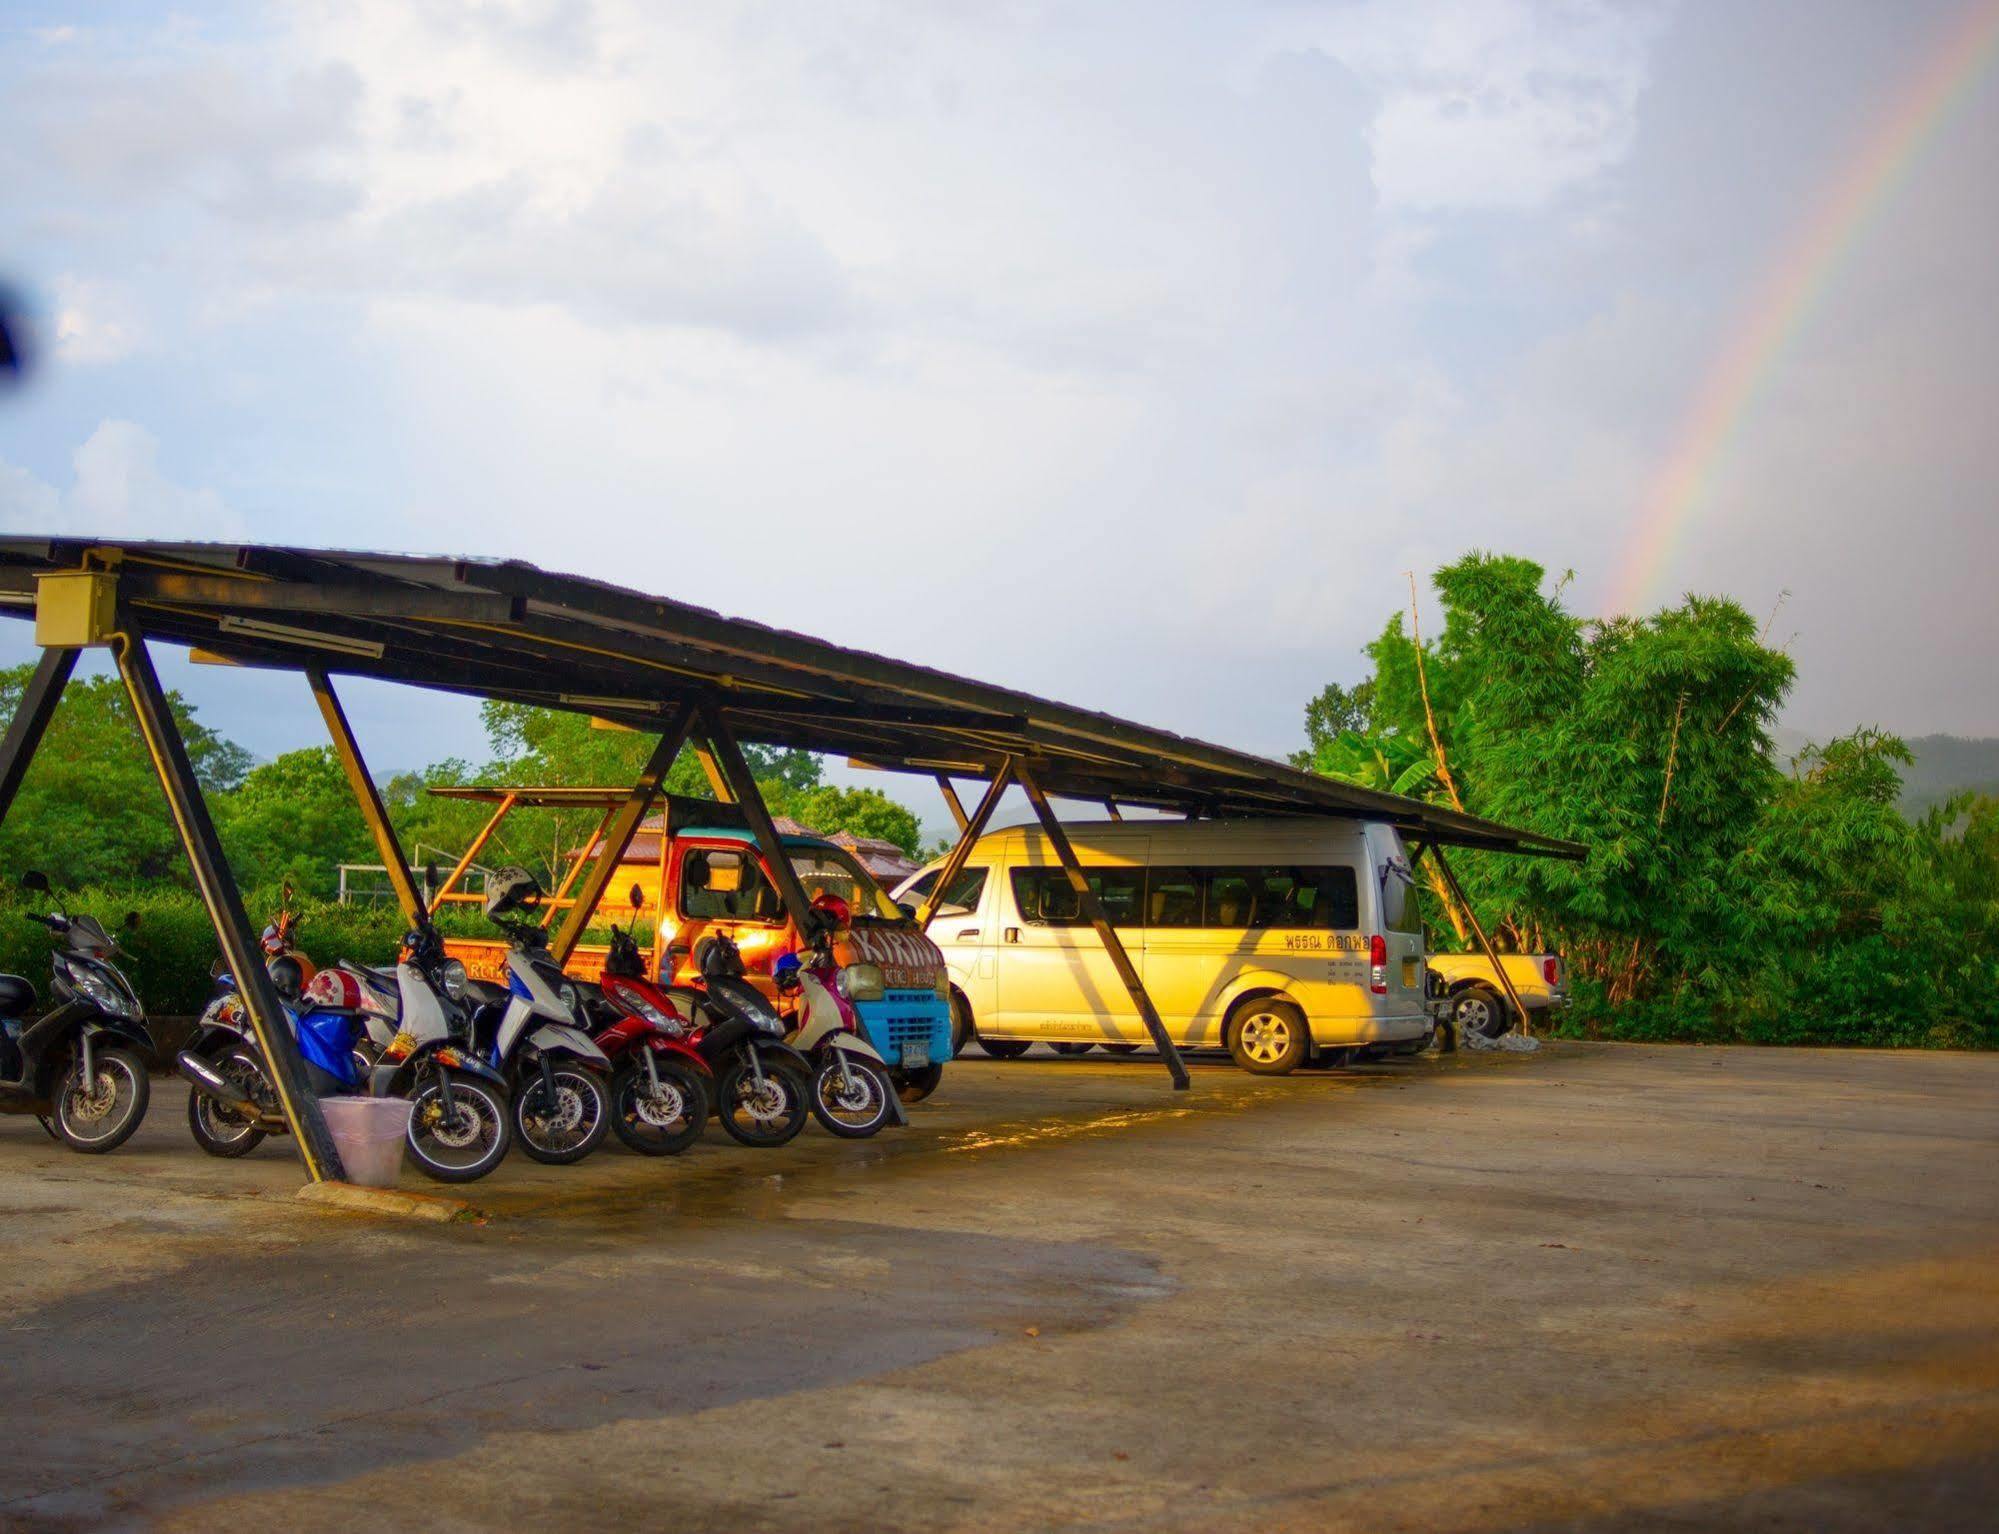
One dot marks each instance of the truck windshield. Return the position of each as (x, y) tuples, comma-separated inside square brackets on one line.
[(832, 871)]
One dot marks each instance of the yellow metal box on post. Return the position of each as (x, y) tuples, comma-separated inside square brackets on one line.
[(75, 608)]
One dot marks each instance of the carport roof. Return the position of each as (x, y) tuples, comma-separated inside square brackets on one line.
[(506, 629)]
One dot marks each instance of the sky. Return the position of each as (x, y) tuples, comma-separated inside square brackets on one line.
[(1125, 353)]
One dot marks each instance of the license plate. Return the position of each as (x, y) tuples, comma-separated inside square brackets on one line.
[(915, 1057)]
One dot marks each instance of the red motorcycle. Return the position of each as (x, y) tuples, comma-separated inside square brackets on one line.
[(660, 1084)]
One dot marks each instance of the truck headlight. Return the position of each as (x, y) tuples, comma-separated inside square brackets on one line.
[(861, 982)]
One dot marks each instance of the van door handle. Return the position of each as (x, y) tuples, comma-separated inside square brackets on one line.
[(1011, 934), (966, 933)]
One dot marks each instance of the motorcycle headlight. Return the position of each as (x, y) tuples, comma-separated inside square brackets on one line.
[(102, 992), (671, 1026), (451, 977), (861, 982), (567, 996)]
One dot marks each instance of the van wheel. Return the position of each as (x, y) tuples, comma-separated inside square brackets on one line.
[(1004, 1049), (1067, 1048), (961, 1022), (1478, 1009), (1268, 1037)]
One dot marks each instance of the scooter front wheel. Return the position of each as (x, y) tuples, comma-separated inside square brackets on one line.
[(852, 1103), (566, 1125), (99, 1115), (462, 1142), (762, 1111), (661, 1122)]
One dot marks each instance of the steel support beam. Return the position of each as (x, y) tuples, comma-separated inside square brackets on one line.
[(969, 832), (1093, 908), (951, 800), (1484, 942), (225, 908), (704, 753), (366, 797), (478, 845), (31, 721), (618, 835), (576, 867), (743, 784)]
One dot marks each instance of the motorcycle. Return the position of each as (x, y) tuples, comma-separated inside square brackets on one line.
[(459, 1121), (660, 1082), (558, 1075), (851, 1093), (223, 1028), (762, 1085), (81, 1067)]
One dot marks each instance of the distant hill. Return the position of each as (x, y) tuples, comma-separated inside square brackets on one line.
[(1945, 765), (1949, 764)]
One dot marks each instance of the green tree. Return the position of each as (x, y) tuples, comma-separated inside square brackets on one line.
[(294, 818), (90, 810), (1336, 711)]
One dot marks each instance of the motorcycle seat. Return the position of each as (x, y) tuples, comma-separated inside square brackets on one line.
[(17, 996)]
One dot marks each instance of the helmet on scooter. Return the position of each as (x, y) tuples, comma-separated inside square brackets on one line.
[(838, 914), (287, 974), (333, 990), (784, 971), (511, 889)]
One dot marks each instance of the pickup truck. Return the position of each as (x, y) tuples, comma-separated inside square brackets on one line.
[(1478, 1000)]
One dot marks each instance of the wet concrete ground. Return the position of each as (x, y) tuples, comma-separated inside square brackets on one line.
[(1601, 1287)]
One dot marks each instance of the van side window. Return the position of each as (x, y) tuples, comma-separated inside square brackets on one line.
[(722, 884), (1173, 897), (962, 898), (1255, 899), (1045, 899)]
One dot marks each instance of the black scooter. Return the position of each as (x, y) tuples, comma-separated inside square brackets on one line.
[(81, 1068), (762, 1084)]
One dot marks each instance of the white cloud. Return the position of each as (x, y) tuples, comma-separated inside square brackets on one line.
[(1501, 104), (117, 488), (95, 321)]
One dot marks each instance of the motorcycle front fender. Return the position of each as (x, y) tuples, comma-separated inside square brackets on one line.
[(558, 1039), (397, 1079), (686, 1054), (782, 1057), (854, 1044), (123, 1030)]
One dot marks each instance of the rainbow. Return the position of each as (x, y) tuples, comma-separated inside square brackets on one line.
[(1791, 290)]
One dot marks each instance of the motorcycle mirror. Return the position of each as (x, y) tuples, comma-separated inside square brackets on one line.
[(131, 921), (34, 879), (638, 898), (906, 908), (430, 878)]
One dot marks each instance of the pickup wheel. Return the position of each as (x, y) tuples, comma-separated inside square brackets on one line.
[(1268, 1037), (1478, 1009)]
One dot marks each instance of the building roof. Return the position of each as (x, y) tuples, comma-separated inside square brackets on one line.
[(509, 630)]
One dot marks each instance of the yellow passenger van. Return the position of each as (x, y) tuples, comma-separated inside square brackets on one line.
[(1282, 940)]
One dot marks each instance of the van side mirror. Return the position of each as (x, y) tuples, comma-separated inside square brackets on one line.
[(34, 879)]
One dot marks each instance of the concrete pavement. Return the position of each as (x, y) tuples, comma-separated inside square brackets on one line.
[(1600, 1287)]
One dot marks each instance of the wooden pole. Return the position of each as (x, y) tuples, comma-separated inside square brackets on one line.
[(1093, 909), (1484, 942)]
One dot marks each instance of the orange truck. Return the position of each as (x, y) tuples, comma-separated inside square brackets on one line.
[(697, 868)]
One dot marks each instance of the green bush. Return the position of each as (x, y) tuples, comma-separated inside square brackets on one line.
[(169, 955)]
